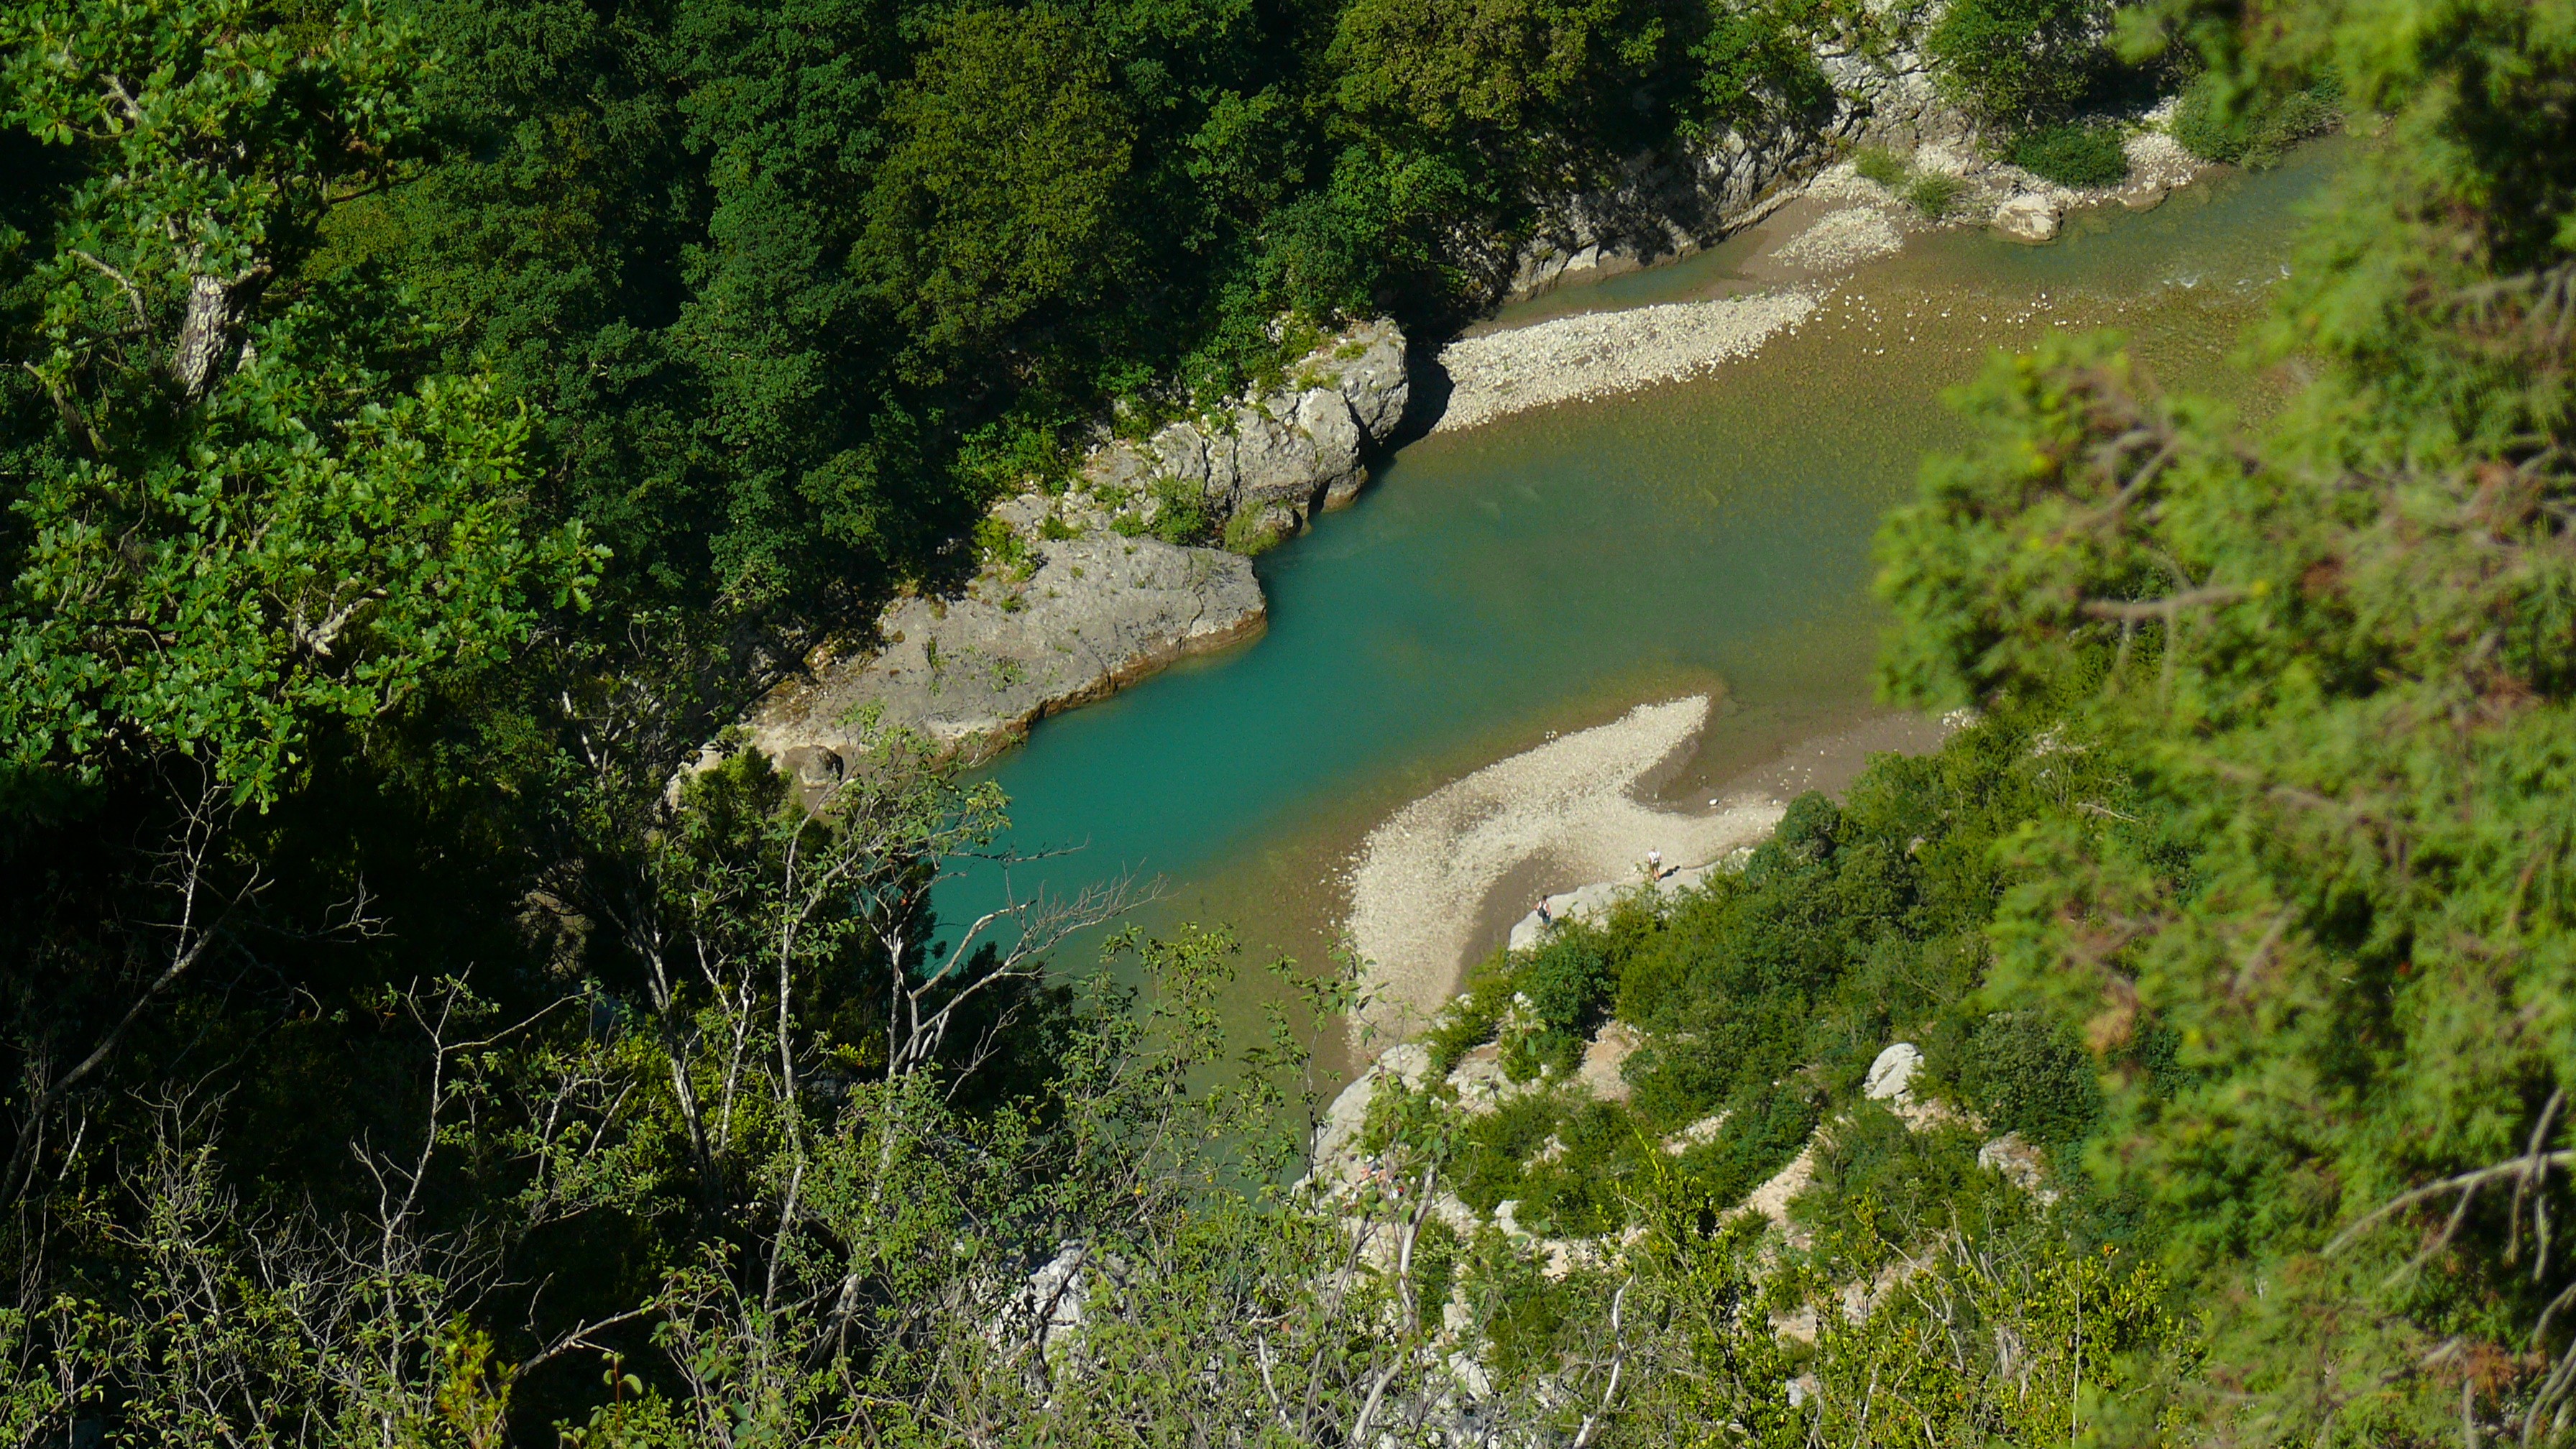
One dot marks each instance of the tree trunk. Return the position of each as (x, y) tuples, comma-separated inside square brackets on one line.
[(215, 309)]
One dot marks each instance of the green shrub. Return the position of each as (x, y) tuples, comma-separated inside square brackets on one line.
[(1805, 836), (2073, 155), (1488, 1165), (999, 544), (1929, 192), (1250, 533), (1566, 980), (1577, 1190), (1469, 1021), (2027, 1073), (1932, 193), (1567, 984), (1754, 64), (1910, 1179), (2251, 130), (1876, 163), (1522, 1311), (1055, 530), (1763, 1131), (2017, 60), (1008, 454), (1435, 1261), (1182, 515)]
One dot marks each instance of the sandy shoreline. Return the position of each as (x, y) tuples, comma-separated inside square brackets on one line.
[(1598, 354), (1441, 880), (1577, 802), (1835, 222)]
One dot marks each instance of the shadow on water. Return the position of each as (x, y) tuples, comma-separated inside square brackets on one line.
[(1547, 571)]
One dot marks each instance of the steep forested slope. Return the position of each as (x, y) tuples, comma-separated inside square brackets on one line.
[(423, 424)]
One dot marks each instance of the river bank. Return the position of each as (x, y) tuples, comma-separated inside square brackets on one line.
[(1576, 821), (1093, 586), (1555, 568), (1583, 803), (1451, 876), (1562, 346), (1136, 563)]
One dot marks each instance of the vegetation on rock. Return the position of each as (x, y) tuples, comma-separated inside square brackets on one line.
[(2022, 61)]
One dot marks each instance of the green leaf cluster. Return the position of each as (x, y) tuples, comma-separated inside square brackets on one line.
[(2332, 649), (2021, 61)]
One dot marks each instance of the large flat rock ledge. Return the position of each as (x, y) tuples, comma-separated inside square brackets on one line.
[(973, 673)]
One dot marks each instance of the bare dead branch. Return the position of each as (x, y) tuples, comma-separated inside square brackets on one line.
[(2166, 609), (2466, 1184)]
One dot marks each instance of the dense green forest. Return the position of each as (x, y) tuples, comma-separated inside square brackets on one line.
[(425, 425)]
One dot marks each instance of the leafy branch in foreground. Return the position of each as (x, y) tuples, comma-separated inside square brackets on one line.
[(2338, 652)]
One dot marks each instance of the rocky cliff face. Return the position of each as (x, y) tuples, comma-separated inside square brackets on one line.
[(1666, 209), (1883, 94), (1274, 460)]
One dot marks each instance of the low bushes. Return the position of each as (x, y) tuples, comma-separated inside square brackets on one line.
[(2252, 130), (1566, 985), (2029, 1074), (1181, 515), (1876, 163), (1929, 192), (2073, 155), (1251, 532), (1762, 997)]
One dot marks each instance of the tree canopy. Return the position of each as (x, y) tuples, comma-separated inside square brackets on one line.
[(427, 423), (2327, 974)]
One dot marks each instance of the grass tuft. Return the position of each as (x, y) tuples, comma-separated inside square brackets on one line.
[(1878, 164), (1933, 194)]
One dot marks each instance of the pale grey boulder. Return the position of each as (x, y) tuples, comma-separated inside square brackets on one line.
[(1891, 1076), (1284, 456), (1367, 368), (2030, 218)]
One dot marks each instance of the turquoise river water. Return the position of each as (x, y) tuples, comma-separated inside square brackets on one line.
[(1549, 570)]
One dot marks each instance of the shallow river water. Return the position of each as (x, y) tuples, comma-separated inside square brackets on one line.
[(1550, 570)]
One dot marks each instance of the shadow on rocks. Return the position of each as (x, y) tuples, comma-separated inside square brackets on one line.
[(1426, 398)]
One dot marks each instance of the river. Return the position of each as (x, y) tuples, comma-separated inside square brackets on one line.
[(1550, 570)]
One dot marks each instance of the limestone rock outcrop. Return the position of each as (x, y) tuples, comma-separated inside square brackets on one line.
[(1282, 455), (2020, 1163), (973, 673), (1662, 208), (1891, 1074), (1599, 899), (1078, 617), (1336, 1159), (1884, 96)]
